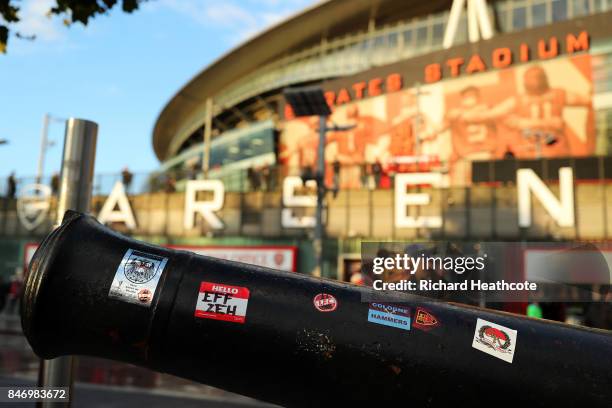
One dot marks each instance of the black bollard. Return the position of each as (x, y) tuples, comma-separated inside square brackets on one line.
[(295, 340)]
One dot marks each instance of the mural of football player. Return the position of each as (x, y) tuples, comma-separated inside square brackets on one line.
[(405, 127), (401, 130), (349, 147), (301, 154), (536, 116), (471, 140)]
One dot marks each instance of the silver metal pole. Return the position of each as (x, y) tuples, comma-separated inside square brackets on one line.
[(76, 181), (320, 175), (76, 178), (43, 148)]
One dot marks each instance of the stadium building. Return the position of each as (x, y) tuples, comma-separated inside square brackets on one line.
[(469, 121), (344, 45), (472, 127), (451, 99)]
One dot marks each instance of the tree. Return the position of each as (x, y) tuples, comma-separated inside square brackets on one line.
[(73, 11)]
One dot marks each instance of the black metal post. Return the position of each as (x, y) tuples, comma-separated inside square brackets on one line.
[(291, 339)]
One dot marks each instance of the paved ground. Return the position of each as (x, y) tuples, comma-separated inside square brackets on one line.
[(98, 396), (18, 367)]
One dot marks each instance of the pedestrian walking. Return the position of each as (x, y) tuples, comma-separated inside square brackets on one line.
[(126, 177), (11, 186)]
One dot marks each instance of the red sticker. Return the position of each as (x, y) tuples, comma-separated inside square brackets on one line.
[(424, 320), (222, 302), (325, 302)]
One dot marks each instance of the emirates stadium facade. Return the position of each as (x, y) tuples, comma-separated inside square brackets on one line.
[(450, 103)]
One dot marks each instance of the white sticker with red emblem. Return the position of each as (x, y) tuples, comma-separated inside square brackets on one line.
[(222, 302), (137, 277), (324, 302), (496, 340)]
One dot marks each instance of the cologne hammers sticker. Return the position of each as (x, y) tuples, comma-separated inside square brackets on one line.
[(222, 302), (496, 340)]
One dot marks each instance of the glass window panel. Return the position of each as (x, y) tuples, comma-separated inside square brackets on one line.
[(538, 14), (559, 10), (501, 14), (581, 7), (364, 54), (392, 40), (502, 21), (246, 147), (379, 42), (421, 37), (365, 44), (364, 50), (438, 33), (408, 37), (461, 35), (519, 18)]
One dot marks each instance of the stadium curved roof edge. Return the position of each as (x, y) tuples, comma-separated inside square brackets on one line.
[(306, 28)]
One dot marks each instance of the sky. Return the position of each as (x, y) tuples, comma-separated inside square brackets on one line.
[(119, 71)]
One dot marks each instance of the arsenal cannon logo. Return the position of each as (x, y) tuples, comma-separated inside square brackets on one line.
[(33, 205)]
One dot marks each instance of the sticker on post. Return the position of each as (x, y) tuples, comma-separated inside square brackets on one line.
[(324, 302), (137, 277), (424, 320), (222, 302), (389, 315), (496, 340)]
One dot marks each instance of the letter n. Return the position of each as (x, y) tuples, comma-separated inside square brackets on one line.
[(561, 210)]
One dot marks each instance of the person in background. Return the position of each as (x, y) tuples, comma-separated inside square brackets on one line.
[(377, 171), (336, 182), (5, 288), (356, 276), (192, 171), (253, 177), (11, 186), (55, 181), (307, 173), (126, 178), (598, 312), (14, 294), (170, 184), (265, 178)]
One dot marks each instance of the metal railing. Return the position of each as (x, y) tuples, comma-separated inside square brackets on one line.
[(266, 178), (344, 177), (362, 207)]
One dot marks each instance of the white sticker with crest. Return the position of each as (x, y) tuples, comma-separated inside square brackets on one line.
[(496, 340), (137, 277)]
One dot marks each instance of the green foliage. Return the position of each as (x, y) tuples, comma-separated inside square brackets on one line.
[(73, 11)]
